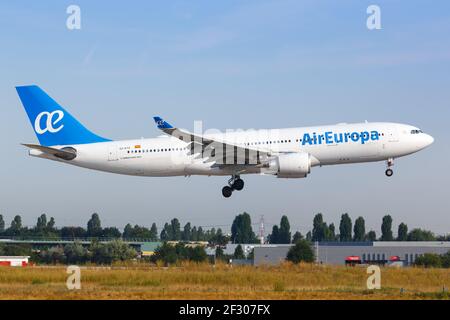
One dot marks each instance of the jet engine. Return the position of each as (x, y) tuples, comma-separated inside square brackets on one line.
[(291, 165)]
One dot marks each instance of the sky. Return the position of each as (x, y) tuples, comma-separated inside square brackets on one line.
[(231, 64)]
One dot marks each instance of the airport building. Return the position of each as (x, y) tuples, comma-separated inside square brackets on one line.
[(14, 261), (377, 252)]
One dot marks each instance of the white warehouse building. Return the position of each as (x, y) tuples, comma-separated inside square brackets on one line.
[(367, 252)]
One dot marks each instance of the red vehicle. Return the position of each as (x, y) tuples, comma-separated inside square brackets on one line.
[(352, 260), (394, 258)]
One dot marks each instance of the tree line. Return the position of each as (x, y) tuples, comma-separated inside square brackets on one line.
[(46, 229), (74, 253), (348, 232), (241, 231)]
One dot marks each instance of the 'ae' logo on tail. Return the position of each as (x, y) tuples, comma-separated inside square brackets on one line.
[(52, 119)]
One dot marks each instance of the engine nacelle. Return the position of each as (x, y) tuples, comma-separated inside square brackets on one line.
[(291, 165)]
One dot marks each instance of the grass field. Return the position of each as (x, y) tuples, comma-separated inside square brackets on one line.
[(191, 281)]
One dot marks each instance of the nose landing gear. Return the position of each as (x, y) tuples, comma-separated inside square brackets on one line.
[(235, 183), (389, 172)]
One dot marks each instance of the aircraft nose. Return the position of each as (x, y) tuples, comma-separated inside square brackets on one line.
[(424, 140), (428, 139)]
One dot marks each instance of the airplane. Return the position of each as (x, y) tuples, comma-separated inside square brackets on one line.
[(284, 153)]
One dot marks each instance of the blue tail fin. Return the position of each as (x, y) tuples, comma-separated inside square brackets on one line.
[(52, 124)]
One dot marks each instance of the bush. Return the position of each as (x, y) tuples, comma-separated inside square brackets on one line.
[(301, 252), (197, 254), (115, 250), (53, 255), (166, 253), (445, 259), (239, 253), (429, 260), (76, 254), (170, 254), (15, 250)]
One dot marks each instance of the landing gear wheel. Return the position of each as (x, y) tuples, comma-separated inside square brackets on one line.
[(238, 184), (227, 191), (389, 172)]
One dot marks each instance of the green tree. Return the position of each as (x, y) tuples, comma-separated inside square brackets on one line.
[(309, 236), (170, 254), (219, 253), (44, 228), (194, 234), (241, 229), (331, 233), (274, 236), (421, 235), (166, 253), (371, 236), (319, 228), (445, 258), (17, 250), (239, 253), (386, 229), (51, 225), (127, 231), (16, 227), (219, 238), (197, 254), (111, 233), (175, 230), (345, 228), (186, 236), (210, 234), (301, 252), (429, 260), (200, 234), (112, 251), (402, 234), (53, 255), (165, 233), (2, 224), (75, 253), (70, 233), (153, 232), (94, 227), (297, 237), (359, 230), (137, 232), (284, 235), (41, 224)]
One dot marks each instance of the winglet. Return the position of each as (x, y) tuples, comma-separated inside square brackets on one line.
[(161, 123)]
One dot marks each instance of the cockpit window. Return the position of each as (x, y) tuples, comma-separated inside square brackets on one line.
[(415, 131)]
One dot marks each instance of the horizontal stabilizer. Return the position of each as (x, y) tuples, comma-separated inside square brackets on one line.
[(67, 153)]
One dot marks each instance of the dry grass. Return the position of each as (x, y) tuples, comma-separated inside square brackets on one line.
[(191, 281)]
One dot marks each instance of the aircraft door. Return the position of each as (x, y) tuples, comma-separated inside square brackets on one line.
[(113, 153), (393, 135)]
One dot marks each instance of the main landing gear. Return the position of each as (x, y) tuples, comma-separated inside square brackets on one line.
[(235, 183), (389, 172)]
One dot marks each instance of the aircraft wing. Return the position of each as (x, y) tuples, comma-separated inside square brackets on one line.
[(214, 150), (64, 153)]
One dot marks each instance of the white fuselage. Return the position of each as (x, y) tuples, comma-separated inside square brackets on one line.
[(327, 145)]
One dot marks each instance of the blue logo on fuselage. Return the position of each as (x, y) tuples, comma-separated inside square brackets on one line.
[(344, 137)]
